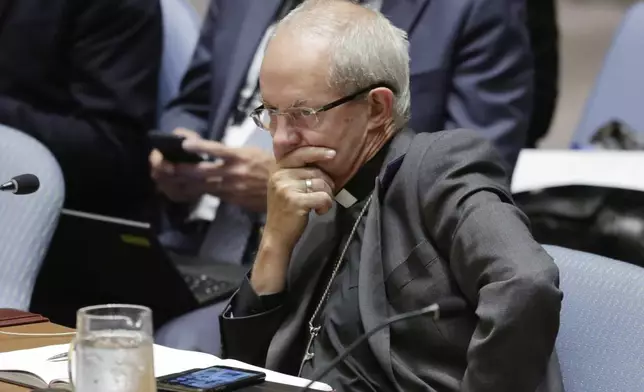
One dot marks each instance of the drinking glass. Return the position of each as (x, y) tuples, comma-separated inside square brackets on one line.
[(112, 351)]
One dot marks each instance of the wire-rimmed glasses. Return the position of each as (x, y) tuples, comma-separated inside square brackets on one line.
[(303, 118)]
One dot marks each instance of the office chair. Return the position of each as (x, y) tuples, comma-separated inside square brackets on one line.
[(600, 345), (27, 221), (181, 25), (619, 89)]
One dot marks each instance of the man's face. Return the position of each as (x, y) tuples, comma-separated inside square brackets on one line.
[(294, 76)]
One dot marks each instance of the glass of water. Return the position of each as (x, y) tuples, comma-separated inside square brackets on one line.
[(112, 351)]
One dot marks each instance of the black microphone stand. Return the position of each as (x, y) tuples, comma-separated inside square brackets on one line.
[(450, 308)]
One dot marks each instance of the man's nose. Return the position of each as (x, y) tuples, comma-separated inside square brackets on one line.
[(285, 136)]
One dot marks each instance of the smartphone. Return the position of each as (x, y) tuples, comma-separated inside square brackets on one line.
[(212, 379), (171, 146)]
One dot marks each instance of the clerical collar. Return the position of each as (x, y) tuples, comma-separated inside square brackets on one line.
[(362, 183)]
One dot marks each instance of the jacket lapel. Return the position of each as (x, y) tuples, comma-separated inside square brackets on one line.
[(372, 298), (308, 256), (397, 150), (259, 16), (373, 302), (404, 13), (4, 10)]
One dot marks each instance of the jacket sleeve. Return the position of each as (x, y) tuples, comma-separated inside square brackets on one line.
[(502, 271), (191, 108), (113, 56), (248, 324), (493, 76)]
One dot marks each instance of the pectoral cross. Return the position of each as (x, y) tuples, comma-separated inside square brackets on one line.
[(313, 332)]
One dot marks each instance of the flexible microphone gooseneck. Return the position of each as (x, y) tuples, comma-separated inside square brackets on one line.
[(447, 308), (23, 184)]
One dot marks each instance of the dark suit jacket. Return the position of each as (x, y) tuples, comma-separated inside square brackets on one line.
[(471, 66), (442, 223), (81, 76)]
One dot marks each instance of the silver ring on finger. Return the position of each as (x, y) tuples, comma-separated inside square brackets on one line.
[(309, 185)]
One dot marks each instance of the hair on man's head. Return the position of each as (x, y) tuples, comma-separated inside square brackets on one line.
[(365, 48)]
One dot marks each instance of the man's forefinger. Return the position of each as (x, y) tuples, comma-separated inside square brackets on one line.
[(305, 156), (201, 170), (209, 147)]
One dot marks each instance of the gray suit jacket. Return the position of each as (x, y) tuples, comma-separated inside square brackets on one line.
[(442, 223)]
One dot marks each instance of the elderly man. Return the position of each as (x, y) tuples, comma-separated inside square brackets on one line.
[(416, 218), (470, 68)]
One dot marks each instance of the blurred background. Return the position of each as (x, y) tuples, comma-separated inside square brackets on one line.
[(587, 28)]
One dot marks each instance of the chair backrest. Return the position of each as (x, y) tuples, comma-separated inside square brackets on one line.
[(181, 25), (28, 221), (600, 343), (619, 89)]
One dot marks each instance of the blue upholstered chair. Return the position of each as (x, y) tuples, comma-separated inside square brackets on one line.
[(28, 221), (600, 344), (619, 89)]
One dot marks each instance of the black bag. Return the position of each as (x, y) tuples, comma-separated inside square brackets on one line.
[(604, 221), (617, 135)]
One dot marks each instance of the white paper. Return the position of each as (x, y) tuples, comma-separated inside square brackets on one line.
[(166, 361), (539, 169)]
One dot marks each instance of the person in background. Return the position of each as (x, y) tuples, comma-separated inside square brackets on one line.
[(368, 220), (471, 67), (81, 77), (544, 40)]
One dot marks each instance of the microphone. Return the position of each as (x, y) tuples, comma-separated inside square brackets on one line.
[(23, 184), (446, 308)]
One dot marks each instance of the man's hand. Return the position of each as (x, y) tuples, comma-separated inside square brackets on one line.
[(177, 188), (239, 175), (290, 200)]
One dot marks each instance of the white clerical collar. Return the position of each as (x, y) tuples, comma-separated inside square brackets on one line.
[(345, 199), (361, 185)]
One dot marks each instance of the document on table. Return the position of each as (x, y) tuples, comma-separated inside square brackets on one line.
[(31, 367)]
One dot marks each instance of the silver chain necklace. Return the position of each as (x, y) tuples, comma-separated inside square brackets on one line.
[(315, 330)]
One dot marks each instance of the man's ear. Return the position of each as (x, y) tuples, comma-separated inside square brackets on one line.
[(381, 106)]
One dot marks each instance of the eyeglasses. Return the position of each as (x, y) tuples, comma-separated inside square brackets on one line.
[(303, 118)]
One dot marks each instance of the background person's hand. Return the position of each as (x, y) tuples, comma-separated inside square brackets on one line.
[(177, 188), (290, 200), (238, 176)]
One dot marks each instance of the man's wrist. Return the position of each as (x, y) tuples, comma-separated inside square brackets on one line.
[(272, 253), (275, 242), (268, 275)]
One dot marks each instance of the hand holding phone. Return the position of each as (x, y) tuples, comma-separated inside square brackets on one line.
[(212, 379), (171, 146)]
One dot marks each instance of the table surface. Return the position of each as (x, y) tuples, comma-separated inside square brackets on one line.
[(11, 343)]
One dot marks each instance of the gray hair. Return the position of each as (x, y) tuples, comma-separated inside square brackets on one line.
[(365, 49)]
